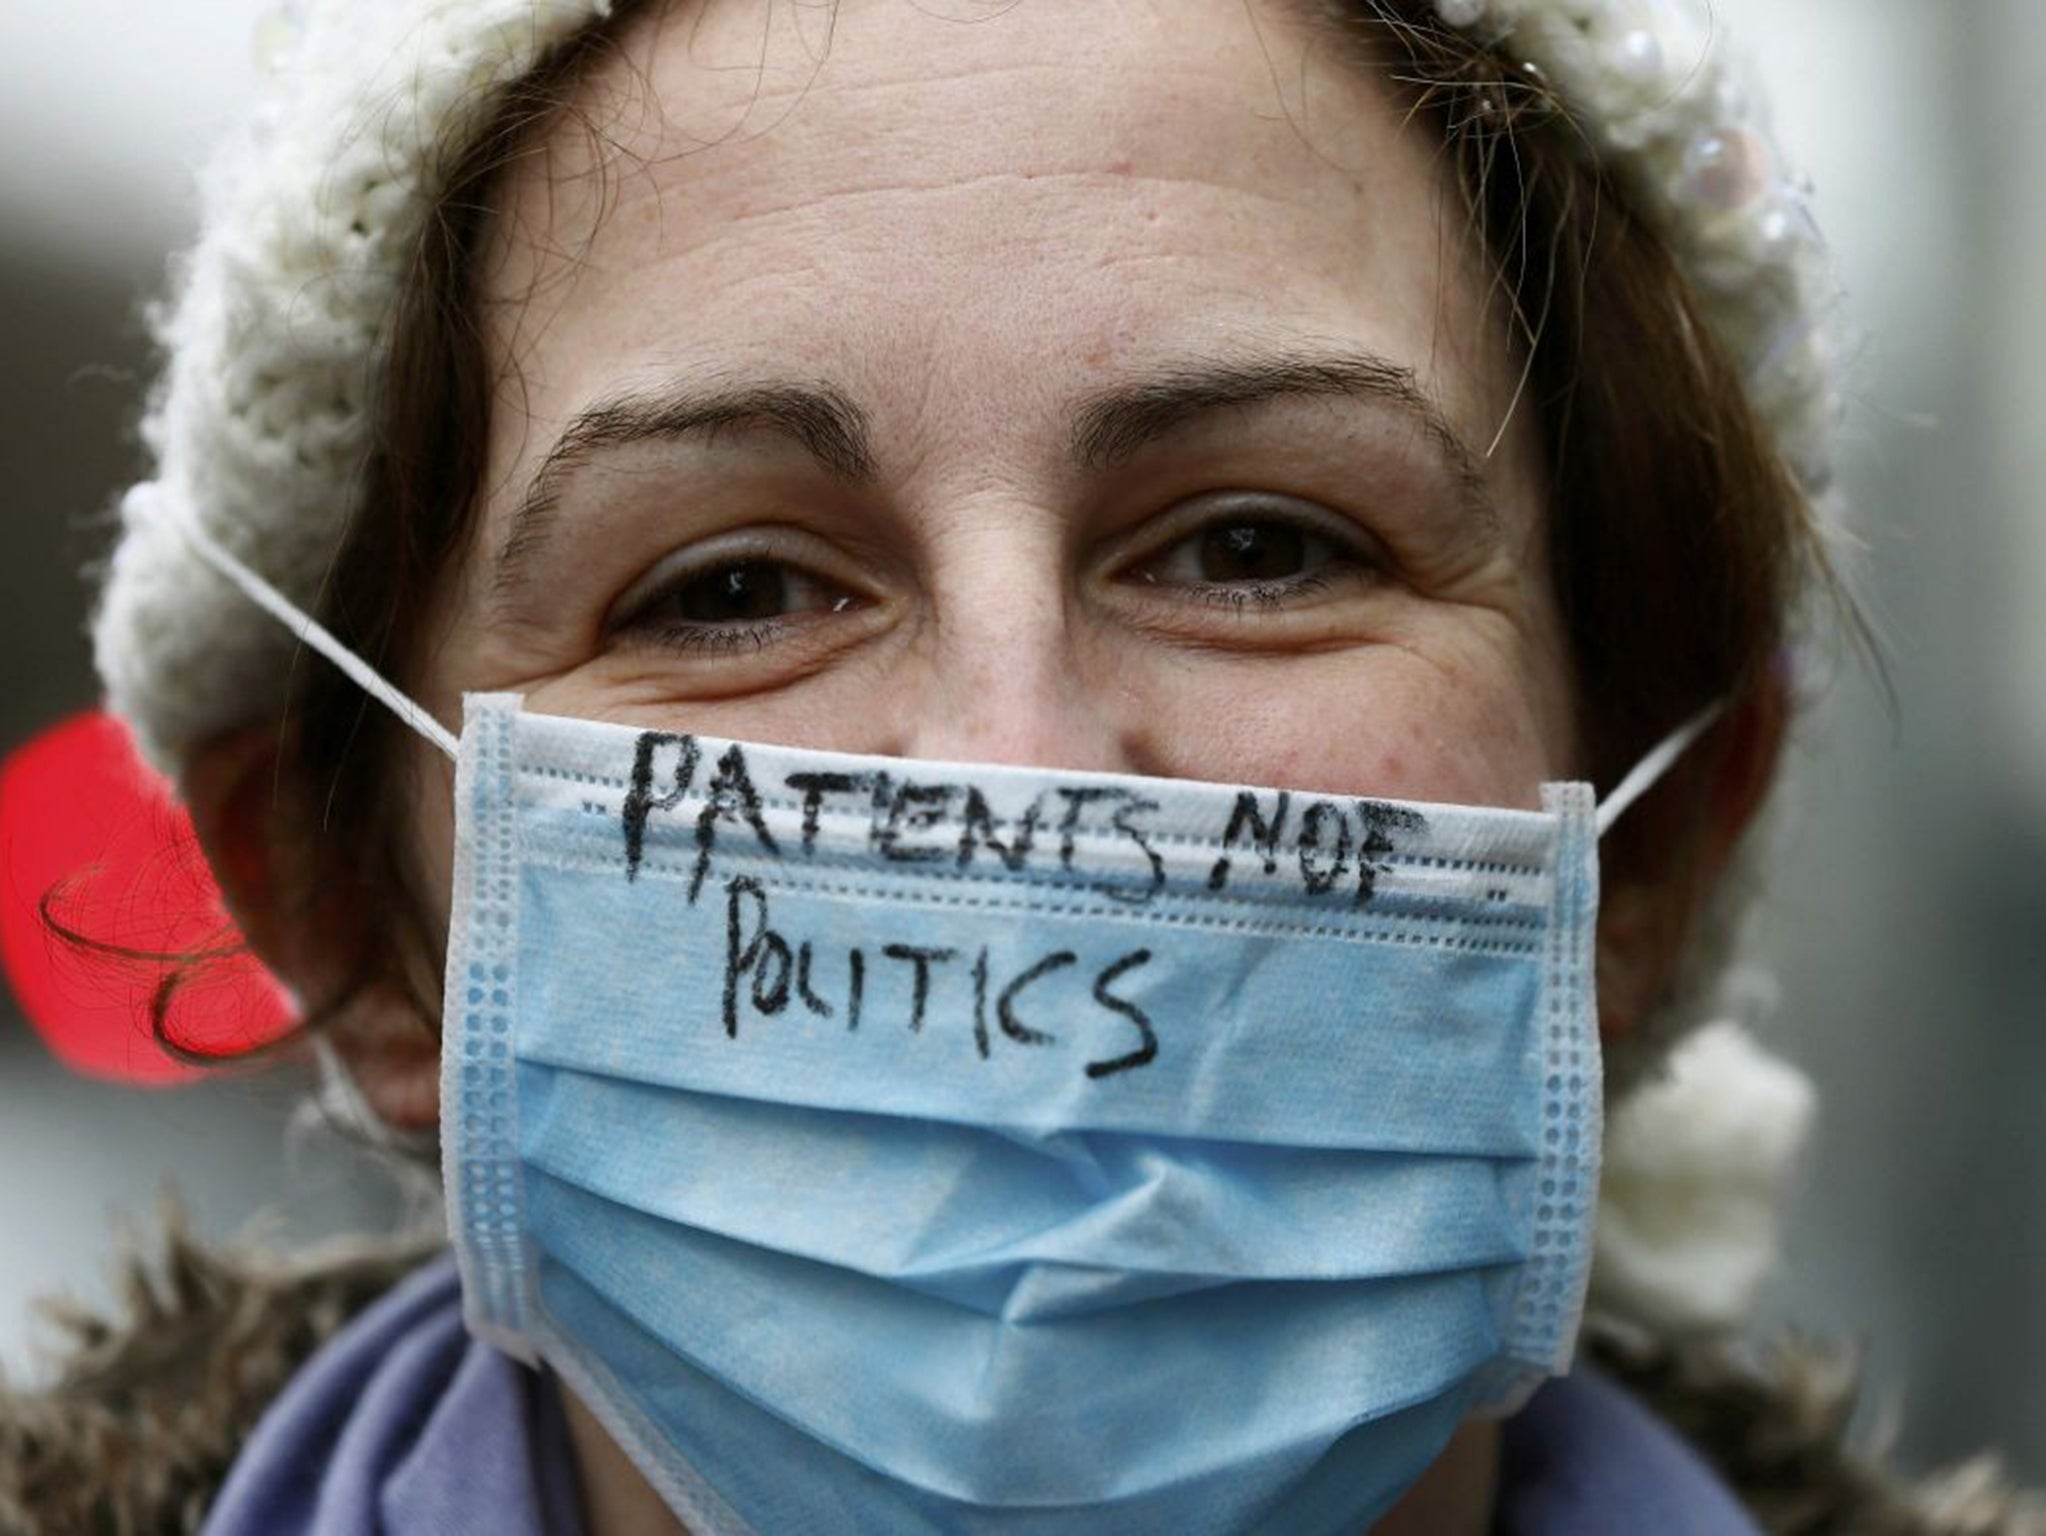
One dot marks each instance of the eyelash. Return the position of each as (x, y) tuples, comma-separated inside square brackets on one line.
[(1265, 596), (707, 639)]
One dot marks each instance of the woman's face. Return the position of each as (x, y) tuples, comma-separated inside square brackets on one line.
[(1090, 383)]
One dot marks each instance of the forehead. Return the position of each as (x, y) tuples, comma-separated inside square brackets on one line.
[(964, 211)]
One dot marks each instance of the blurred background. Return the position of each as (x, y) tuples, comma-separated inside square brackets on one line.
[(1908, 927)]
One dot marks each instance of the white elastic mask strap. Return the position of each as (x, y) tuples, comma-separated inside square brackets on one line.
[(1654, 766), (294, 618)]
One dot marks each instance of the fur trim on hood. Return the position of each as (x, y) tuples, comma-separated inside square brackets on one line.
[(1774, 1424), (135, 1433)]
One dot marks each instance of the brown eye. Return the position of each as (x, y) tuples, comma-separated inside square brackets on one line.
[(1264, 550), (742, 593), (1252, 551), (731, 604)]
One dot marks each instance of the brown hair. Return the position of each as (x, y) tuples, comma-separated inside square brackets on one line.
[(1679, 540)]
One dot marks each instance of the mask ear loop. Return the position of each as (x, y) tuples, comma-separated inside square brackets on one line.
[(1654, 766), (308, 630)]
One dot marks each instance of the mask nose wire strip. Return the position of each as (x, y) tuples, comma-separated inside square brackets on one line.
[(302, 624), (1653, 767)]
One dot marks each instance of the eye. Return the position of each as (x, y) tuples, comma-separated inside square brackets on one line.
[(1255, 550), (728, 605)]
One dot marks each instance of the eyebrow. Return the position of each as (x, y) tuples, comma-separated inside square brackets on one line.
[(1113, 427), (1106, 430), (823, 421)]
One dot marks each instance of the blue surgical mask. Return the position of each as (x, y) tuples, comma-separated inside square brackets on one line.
[(899, 1146)]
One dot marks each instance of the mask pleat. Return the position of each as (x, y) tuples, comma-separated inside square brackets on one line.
[(1084, 1393), (749, 1453), (958, 1213)]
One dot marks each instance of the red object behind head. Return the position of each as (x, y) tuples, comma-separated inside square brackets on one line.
[(90, 829)]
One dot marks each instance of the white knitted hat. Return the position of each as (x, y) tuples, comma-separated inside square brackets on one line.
[(274, 333)]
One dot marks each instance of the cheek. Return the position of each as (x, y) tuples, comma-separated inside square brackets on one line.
[(1389, 723)]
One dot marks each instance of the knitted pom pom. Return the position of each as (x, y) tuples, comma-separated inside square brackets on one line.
[(1696, 1169)]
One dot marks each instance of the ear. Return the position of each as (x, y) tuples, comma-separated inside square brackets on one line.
[(306, 926), (1685, 833)]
